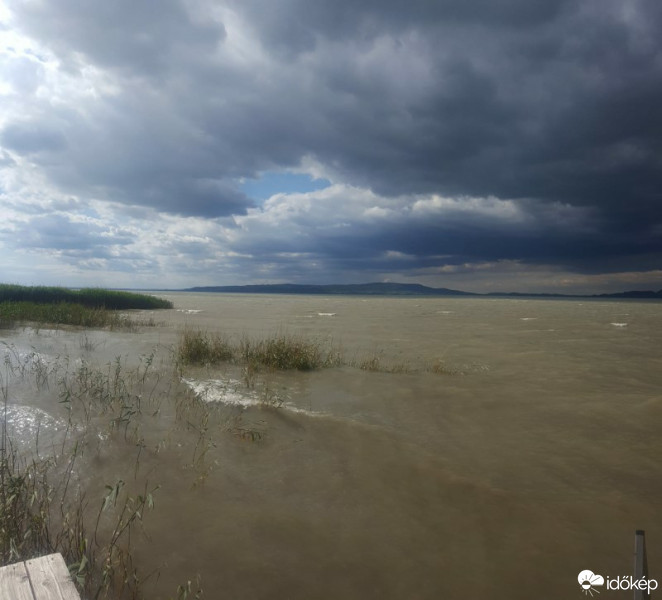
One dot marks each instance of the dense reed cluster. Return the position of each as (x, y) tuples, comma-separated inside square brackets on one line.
[(89, 297), (82, 308)]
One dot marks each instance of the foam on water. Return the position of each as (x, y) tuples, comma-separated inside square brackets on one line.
[(232, 392), (619, 324), (189, 311), (225, 391), (326, 314)]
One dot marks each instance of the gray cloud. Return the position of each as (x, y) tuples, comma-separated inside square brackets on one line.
[(31, 137), (59, 232), (6, 160), (136, 36), (549, 106)]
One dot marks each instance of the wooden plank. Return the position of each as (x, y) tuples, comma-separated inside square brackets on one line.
[(14, 582), (640, 563), (50, 578)]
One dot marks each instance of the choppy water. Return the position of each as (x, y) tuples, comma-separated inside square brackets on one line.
[(534, 456)]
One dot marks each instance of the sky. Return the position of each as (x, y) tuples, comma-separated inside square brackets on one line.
[(490, 145)]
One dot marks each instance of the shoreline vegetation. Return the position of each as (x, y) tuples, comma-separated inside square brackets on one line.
[(87, 307), (89, 297), (44, 507)]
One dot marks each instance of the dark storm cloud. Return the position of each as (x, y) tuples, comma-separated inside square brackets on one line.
[(193, 197), (552, 101), (295, 25), (546, 103), (439, 231), (578, 125), (132, 149)]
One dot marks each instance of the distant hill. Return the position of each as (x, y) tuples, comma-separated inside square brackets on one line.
[(362, 289), (632, 294), (395, 289)]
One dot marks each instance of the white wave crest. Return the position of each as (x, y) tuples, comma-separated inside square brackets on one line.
[(232, 392), (228, 392)]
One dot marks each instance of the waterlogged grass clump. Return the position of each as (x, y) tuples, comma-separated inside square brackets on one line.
[(375, 364), (280, 352), (285, 352), (199, 348), (63, 313)]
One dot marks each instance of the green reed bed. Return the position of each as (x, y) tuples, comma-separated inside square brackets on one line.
[(89, 297), (66, 313), (82, 308)]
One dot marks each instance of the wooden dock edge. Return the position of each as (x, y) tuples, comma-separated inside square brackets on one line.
[(43, 578)]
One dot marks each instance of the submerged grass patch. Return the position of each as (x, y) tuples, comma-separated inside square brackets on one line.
[(199, 348), (375, 364), (280, 352), (285, 353), (44, 504), (66, 313)]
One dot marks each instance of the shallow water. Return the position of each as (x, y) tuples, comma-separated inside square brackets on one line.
[(534, 455)]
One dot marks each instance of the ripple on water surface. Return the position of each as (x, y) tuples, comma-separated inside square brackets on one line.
[(26, 423)]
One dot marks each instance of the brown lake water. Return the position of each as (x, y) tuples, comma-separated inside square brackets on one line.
[(534, 455)]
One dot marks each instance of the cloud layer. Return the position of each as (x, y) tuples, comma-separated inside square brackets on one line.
[(510, 144)]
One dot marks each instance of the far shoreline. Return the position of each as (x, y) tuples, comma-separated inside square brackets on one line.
[(392, 290)]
